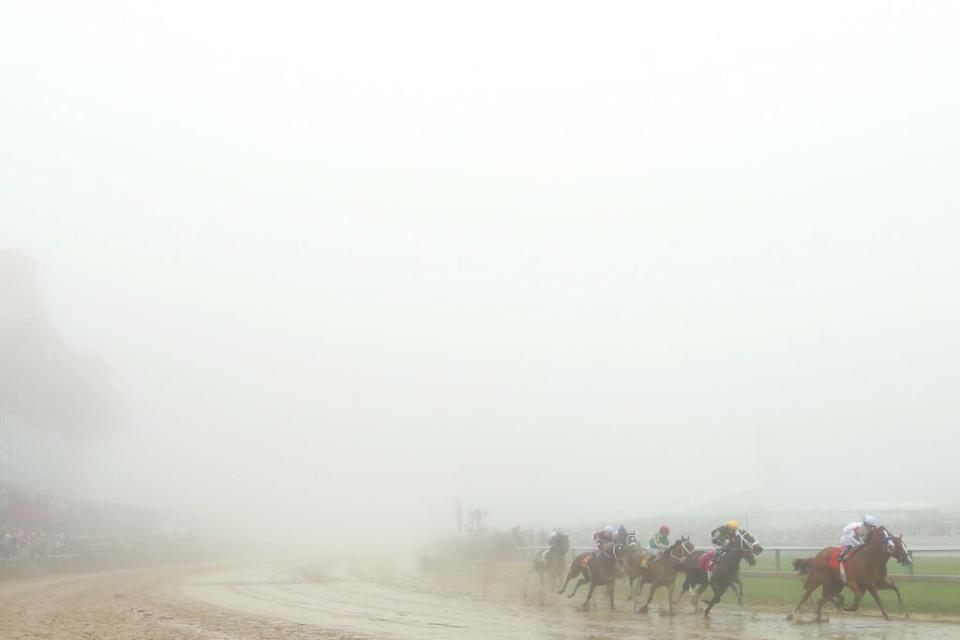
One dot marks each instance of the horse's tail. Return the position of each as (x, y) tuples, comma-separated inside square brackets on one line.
[(803, 565)]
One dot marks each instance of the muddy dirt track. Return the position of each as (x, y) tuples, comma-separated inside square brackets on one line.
[(258, 603)]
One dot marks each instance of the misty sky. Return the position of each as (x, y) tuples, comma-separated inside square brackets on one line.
[(352, 262)]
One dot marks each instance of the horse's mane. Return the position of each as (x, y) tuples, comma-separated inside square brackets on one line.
[(877, 530)]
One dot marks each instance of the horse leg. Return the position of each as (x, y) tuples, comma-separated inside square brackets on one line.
[(822, 600), (810, 586), (610, 589), (646, 605), (670, 586), (717, 594), (582, 581), (570, 577), (737, 587), (876, 598), (901, 606), (857, 595), (638, 590), (696, 596), (586, 603)]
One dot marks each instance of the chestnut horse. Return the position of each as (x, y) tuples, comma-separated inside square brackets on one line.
[(866, 570)]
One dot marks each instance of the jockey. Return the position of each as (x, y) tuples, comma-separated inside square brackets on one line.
[(854, 535), (553, 543), (621, 535), (554, 538), (603, 538), (660, 541), (722, 536)]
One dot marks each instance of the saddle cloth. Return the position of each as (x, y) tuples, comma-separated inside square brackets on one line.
[(835, 558), (706, 561)]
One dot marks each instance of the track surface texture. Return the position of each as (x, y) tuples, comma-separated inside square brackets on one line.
[(254, 603)]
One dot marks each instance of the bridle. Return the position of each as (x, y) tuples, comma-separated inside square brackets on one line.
[(685, 550), (743, 544)]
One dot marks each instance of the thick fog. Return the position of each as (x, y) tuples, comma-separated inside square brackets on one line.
[(353, 263)]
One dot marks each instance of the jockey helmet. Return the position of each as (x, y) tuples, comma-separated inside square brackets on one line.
[(732, 525), (664, 529), (609, 528), (870, 521)]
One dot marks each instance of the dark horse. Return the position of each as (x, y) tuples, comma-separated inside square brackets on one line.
[(599, 568), (726, 569), (662, 571), (866, 570), (551, 562)]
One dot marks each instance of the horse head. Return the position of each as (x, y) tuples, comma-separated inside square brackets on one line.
[(617, 551), (899, 551), (881, 538), (747, 544), (681, 549)]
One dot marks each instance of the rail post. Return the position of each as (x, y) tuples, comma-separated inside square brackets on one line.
[(776, 558)]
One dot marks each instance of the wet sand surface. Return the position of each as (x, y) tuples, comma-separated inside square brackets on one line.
[(260, 603), (405, 607), (130, 605)]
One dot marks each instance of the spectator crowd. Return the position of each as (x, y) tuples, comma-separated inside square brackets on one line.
[(18, 543)]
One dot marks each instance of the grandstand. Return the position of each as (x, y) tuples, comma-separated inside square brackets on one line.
[(53, 401)]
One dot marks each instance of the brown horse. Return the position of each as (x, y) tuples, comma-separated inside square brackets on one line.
[(662, 571), (551, 562), (599, 568), (866, 570)]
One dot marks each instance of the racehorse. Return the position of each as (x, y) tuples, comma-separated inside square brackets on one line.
[(662, 571), (552, 561), (865, 569), (599, 568), (726, 569)]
